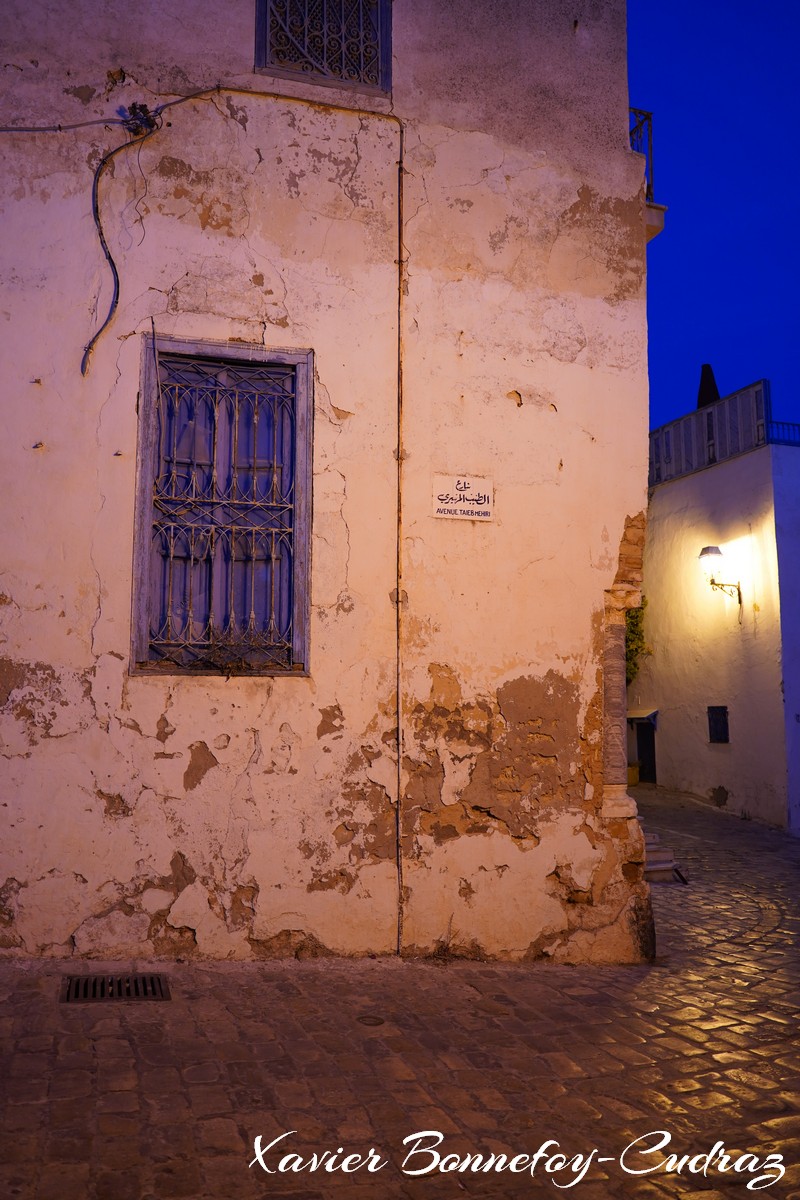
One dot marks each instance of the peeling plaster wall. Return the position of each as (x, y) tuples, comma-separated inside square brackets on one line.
[(252, 816)]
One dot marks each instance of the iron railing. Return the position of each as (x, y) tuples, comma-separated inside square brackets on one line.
[(783, 433), (641, 137)]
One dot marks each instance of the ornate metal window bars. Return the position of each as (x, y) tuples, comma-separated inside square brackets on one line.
[(227, 456), (333, 41)]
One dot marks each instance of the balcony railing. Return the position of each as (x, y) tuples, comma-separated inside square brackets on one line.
[(784, 433), (641, 136)]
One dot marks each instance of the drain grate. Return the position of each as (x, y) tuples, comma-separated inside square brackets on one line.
[(77, 989)]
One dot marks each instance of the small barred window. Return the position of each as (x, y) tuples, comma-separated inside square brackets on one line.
[(334, 41), (718, 723)]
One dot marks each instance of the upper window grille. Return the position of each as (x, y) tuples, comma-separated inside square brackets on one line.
[(223, 521), (334, 41)]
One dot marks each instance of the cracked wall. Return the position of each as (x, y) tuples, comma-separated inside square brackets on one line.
[(253, 817)]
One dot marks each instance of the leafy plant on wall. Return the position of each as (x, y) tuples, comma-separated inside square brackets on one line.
[(636, 647)]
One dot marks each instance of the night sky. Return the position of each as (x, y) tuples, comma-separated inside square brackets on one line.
[(721, 79)]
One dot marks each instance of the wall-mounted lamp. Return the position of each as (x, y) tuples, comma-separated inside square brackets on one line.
[(711, 559)]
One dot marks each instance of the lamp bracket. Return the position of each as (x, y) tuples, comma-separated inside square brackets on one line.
[(733, 590)]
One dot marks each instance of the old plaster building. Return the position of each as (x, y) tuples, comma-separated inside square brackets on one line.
[(324, 446), (716, 706)]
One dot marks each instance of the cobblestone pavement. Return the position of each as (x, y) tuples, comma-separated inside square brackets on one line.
[(152, 1100)]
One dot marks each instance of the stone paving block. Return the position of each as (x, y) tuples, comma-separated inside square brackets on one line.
[(115, 1153), (112, 1078), (76, 1062), (21, 1149), (22, 1118), (167, 1109), (117, 1185), (69, 1085), (169, 1144), (65, 1182), (167, 1079), (17, 1181), (178, 1179), (118, 1102), (219, 1135), (28, 1091), (67, 1148), (100, 1025), (202, 1072), (294, 1094), (228, 1176), (212, 1100), (112, 1047), (117, 1125)]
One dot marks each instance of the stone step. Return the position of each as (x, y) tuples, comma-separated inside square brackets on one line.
[(661, 874), (660, 865), (661, 856)]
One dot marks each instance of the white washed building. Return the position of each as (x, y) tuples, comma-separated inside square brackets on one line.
[(718, 701)]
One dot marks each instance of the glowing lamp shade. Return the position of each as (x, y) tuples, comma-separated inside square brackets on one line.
[(710, 557)]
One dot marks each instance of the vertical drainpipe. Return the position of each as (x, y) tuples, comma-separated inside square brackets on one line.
[(400, 598)]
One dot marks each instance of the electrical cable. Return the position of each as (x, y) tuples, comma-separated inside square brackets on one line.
[(62, 128), (101, 166)]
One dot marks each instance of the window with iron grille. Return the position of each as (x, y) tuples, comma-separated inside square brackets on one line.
[(328, 41), (718, 723), (222, 543)]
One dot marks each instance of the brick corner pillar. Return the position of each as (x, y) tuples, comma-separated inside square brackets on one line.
[(616, 801), (619, 809)]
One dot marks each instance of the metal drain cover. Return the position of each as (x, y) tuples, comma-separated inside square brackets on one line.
[(82, 989)]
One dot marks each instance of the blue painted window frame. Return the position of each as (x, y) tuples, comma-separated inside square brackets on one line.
[(223, 523)]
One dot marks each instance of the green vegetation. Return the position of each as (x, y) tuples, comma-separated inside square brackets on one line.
[(636, 647)]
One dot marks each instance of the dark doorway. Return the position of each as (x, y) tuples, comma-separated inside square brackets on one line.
[(646, 751)]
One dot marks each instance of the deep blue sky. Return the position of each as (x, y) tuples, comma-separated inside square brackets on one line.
[(721, 79)]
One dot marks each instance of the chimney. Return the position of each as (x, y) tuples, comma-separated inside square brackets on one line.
[(708, 392)]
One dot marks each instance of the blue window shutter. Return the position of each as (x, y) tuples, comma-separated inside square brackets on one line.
[(227, 589)]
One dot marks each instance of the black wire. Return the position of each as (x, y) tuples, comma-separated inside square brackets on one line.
[(143, 197), (101, 166), (159, 109), (61, 128)]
